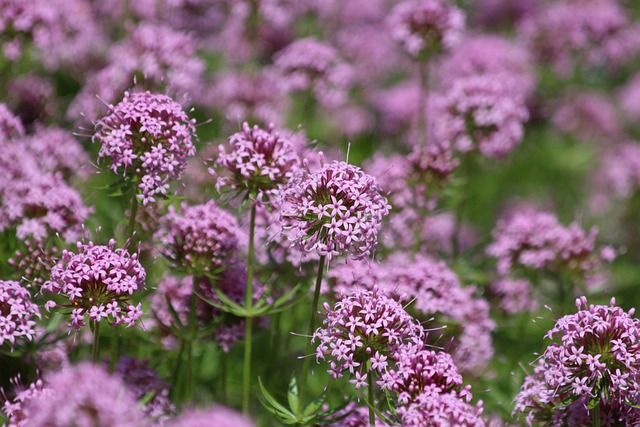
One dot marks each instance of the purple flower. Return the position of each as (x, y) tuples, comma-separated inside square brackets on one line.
[(514, 295), (32, 98), (149, 136), (591, 361), (363, 327), (435, 409), (423, 27), (199, 239), (34, 261), (259, 162), (436, 294), (218, 416), (16, 410), (617, 175), (310, 64), (98, 281), (144, 381), (10, 125), (484, 114), (84, 396), (628, 98), (17, 313), (532, 239), (335, 210), (589, 115)]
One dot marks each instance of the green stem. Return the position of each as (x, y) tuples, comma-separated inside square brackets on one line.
[(310, 331), (96, 341), (176, 380), (423, 95), (131, 228), (595, 416), (193, 331), (372, 414), (248, 303)]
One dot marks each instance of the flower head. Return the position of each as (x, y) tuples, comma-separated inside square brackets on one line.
[(426, 26), (15, 410), (310, 64), (148, 136), (98, 281), (335, 210), (200, 238), (260, 162), (434, 409), (84, 396), (591, 361), (364, 327), (218, 416), (17, 313), (10, 125)]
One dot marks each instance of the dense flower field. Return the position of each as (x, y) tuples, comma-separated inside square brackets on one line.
[(319, 212)]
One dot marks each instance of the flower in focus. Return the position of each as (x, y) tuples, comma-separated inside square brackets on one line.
[(310, 64), (199, 239), (434, 409), (149, 138), (362, 330), (334, 210), (218, 416), (591, 364), (17, 313), (423, 27), (98, 281), (260, 162), (83, 396)]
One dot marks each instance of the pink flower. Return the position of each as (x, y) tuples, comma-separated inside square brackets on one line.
[(17, 313)]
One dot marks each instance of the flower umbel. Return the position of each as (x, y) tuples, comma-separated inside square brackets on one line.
[(98, 281), (17, 312)]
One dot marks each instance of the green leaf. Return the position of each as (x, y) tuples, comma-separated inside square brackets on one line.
[(174, 314), (315, 405), (273, 405), (292, 395)]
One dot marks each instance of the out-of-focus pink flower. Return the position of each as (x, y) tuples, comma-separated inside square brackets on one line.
[(218, 416), (589, 115)]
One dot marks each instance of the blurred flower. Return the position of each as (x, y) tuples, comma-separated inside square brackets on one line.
[(591, 365), (16, 410), (163, 57), (152, 136), (533, 239), (98, 281), (590, 115), (591, 32), (84, 396), (260, 162), (362, 330), (514, 295), (10, 125), (629, 99), (34, 261), (423, 27), (200, 239), (17, 313), (218, 416), (617, 176), (310, 64), (143, 381), (334, 210)]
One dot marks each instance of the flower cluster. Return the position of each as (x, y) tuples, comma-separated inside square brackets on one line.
[(363, 329), (589, 115), (17, 313), (164, 57), (592, 365), (10, 125), (34, 261), (16, 409), (152, 136), (259, 162), (432, 408), (83, 395), (143, 381), (32, 98), (533, 239), (309, 64), (98, 281), (514, 295), (434, 290), (218, 416), (423, 27), (335, 210), (483, 113), (618, 174), (200, 238)]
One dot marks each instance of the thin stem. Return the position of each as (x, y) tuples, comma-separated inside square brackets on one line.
[(595, 416), (176, 380), (248, 303), (96, 341), (132, 218), (310, 331), (423, 97), (372, 414)]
